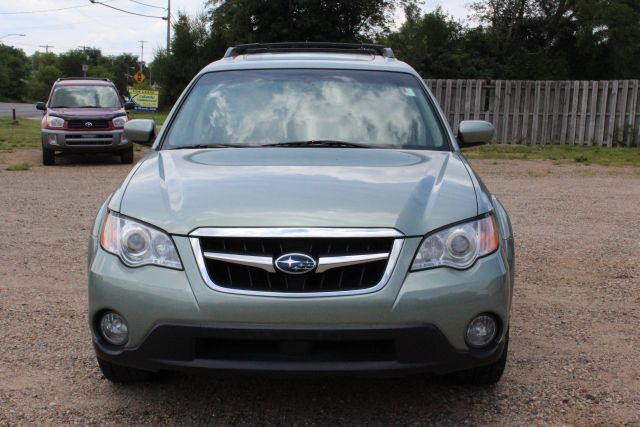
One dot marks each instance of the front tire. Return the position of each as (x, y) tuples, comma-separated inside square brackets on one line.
[(48, 157), (485, 376), (126, 156), (122, 374)]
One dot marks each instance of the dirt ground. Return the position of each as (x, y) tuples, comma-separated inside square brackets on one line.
[(574, 356)]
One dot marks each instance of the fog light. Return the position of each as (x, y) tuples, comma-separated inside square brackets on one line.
[(53, 139), (481, 331), (113, 328)]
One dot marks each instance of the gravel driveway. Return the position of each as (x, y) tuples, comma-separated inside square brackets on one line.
[(574, 356)]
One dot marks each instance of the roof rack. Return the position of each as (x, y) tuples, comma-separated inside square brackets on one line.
[(104, 79), (318, 47)]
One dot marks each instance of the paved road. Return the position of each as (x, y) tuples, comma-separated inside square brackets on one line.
[(22, 110)]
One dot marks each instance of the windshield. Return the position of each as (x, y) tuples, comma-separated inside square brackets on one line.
[(85, 97), (267, 107)]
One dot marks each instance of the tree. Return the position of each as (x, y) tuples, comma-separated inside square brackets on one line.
[(562, 39), (436, 46), (193, 47), (249, 21), (71, 62), (120, 69), (14, 71), (41, 81)]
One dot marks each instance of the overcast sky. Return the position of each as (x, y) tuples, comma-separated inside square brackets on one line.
[(64, 25)]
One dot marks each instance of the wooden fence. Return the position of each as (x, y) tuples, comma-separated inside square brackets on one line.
[(605, 113)]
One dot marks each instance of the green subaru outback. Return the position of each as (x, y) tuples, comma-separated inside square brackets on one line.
[(305, 209)]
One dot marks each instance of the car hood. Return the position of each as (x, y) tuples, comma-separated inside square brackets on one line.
[(75, 113), (411, 191)]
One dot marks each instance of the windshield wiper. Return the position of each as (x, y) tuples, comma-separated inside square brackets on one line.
[(194, 146), (317, 143)]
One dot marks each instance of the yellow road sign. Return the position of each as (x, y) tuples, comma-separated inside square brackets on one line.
[(139, 77)]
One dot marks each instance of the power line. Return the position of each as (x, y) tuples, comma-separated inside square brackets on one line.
[(45, 10), (148, 5), (127, 11)]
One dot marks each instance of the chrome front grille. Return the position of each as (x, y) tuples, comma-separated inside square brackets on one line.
[(345, 261), (88, 139)]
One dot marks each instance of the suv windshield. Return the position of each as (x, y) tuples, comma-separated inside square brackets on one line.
[(85, 96), (339, 108)]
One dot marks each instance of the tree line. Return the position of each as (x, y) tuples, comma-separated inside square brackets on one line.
[(502, 39), (29, 78)]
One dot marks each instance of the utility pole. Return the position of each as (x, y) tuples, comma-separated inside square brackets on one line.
[(168, 26), (46, 47), (85, 67), (142, 42)]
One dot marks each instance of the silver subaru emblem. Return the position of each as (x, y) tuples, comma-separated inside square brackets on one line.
[(295, 263), (88, 124)]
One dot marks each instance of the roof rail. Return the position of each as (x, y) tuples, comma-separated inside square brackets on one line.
[(104, 79), (319, 47)]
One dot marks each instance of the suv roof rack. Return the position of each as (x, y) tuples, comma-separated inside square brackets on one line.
[(104, 79), (320, 47)]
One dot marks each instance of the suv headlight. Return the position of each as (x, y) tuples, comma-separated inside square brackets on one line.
[(458, 246), (55, 122), (119, 122), (138, 244)]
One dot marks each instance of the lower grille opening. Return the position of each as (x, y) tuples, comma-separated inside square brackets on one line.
[(295, 350)]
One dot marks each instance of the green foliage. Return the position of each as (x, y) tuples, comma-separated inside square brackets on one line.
[(249, 21), (561, 39), (193, 47), (22, 166), (26, 134), (40, 82), (436, 46), (623, 156), (14, 67)]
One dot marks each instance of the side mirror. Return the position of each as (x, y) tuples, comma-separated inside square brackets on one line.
[(140, 131), (475, 132), (129, 105), (40, 106)]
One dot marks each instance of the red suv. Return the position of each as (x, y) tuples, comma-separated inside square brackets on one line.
[(84, 116)]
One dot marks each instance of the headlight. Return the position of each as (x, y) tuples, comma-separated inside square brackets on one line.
[(119, 122), (55, 122), (138, 244), (458, 246)]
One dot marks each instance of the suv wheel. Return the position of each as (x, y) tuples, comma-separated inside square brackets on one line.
[(122, 374), (126, 155), (48, 157), (485, 375)]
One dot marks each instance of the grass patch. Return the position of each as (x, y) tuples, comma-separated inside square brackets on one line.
[(618, 156), (536, 174), (23, 166), (26, 134), (158, 117)]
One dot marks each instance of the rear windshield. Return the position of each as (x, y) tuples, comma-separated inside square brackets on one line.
[(84, 97), (260, 107)]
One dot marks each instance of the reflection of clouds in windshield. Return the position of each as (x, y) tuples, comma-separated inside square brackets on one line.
[(267, 112), (85, 96)]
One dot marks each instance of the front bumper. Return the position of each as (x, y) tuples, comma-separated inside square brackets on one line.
[(421, 316), (96, 140), (375, 349)]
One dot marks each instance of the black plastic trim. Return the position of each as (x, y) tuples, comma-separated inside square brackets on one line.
[(418, 348)]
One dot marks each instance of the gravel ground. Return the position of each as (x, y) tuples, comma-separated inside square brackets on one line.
[(573, 358)]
